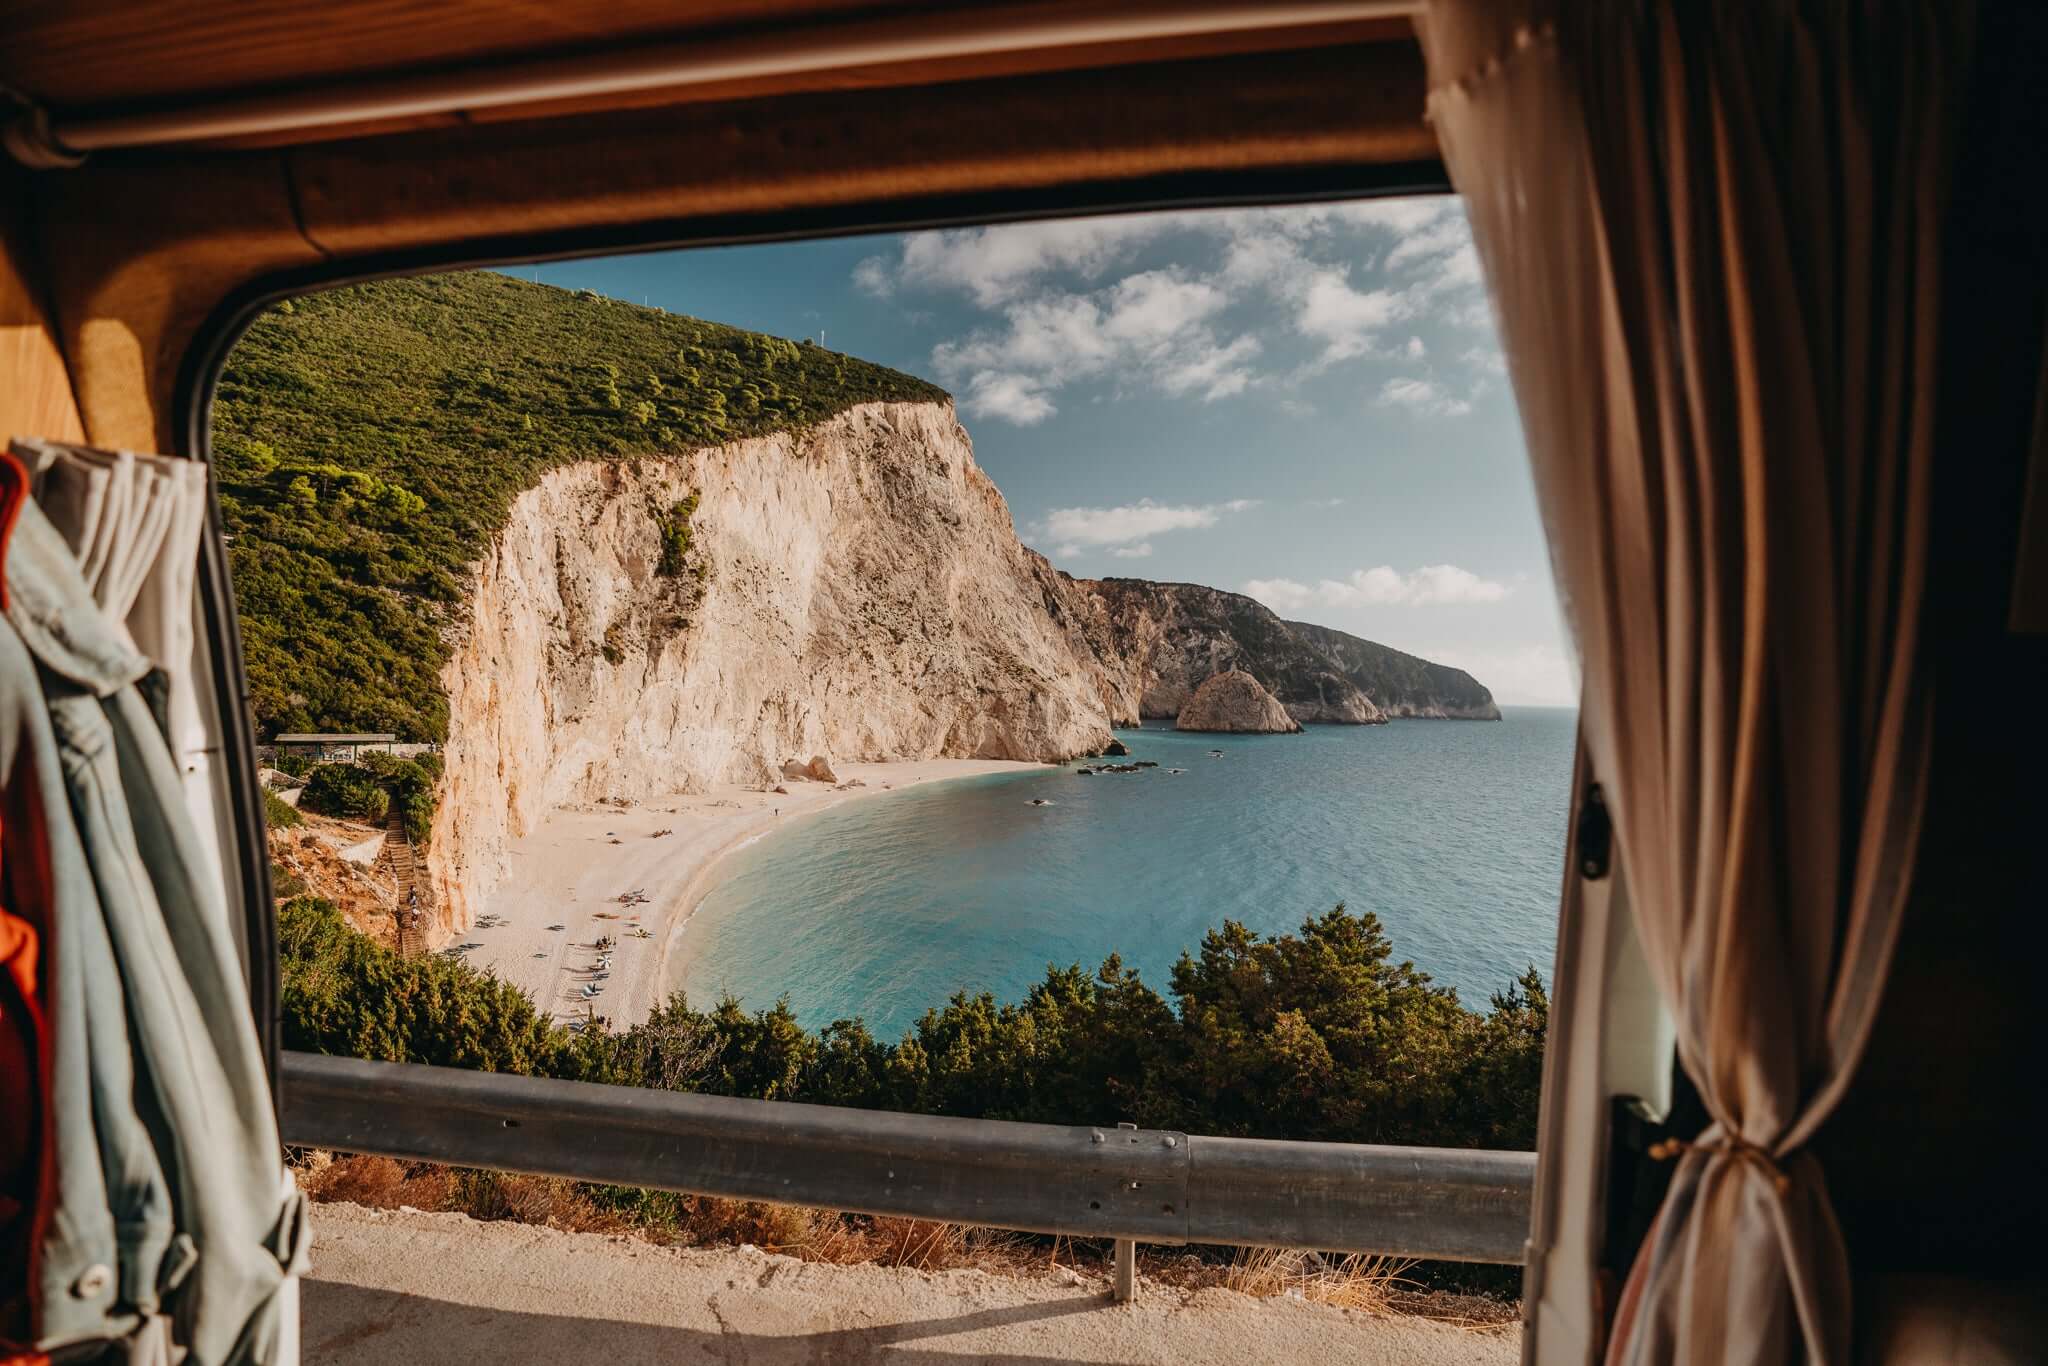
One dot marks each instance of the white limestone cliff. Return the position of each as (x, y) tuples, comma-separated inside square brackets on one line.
[(852, 592)]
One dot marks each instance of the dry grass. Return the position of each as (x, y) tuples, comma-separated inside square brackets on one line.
[(382, 1183), (378, 1182), (814, 1235), (920, 1244), (1377, 1285), (689, 1221), (1357, 1281)]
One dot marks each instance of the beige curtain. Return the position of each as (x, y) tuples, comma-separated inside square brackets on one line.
[(1712, 235)]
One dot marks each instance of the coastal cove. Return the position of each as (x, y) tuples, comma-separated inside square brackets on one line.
[(635, 873), (1451, 832)]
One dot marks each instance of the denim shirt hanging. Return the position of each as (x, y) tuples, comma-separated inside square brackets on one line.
[(169, 1192)]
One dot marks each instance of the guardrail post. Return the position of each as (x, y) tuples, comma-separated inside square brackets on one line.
[(1126, 1262)]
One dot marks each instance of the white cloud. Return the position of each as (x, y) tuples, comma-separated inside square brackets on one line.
[(1159, 317), (1460, 268), (1441, 236), (1439, 268), (1531, 675), (1433, 585), (1486, 359), (871, 276), (1282, 595), (1213, 371), (996, 264), (1263, 258), (1422, 396), (1150, 327), (1404, 215), (1131, 525), (1058, 337), (1142, 550), (1346, 319), (1013, 398), (1427, 268), (1156, 305), (1058, 313)]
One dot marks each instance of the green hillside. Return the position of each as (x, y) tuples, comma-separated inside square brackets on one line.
[(370, 440)]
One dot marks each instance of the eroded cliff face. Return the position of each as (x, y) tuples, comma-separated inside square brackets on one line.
[(1167, 639), (855, 591), (1403, 685), (1164, 640)]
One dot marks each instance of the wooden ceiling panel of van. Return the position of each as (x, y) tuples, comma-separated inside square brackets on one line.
[(130, 291), (1336, 109), (95, 53), (97, 60)]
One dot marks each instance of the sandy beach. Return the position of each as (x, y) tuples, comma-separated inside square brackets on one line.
[(636, 875)]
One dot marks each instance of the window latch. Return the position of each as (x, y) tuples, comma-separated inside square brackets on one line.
[(26, 136), (1596, 835)]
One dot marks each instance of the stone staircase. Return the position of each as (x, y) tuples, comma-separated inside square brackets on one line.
[(403, 862)]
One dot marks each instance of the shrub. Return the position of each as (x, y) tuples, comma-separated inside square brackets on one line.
[(411, 785), (416, 810), (1314, 1035), (348, 791), (284, 883), (675, 537), (345, 993), (279, 814), (298, 765), (390, 766)]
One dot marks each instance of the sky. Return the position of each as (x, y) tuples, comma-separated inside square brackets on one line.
[(1305, 403)]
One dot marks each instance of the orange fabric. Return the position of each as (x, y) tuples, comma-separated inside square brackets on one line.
[(24, 1061), (13, 492), (21, 1087)]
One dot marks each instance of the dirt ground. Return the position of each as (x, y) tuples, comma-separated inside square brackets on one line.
[(395, 1288), (365, 896)]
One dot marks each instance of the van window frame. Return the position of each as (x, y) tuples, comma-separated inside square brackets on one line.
[(253, 907)]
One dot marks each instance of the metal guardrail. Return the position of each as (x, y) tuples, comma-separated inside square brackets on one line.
[(1147, 1185)]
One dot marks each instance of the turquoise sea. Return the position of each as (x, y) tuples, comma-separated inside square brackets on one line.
[(1452, 831)]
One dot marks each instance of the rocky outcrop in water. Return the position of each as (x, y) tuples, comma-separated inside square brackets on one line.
[(1235, 701)]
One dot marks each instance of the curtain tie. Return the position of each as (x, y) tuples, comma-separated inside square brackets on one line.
[(1729, 1145)]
